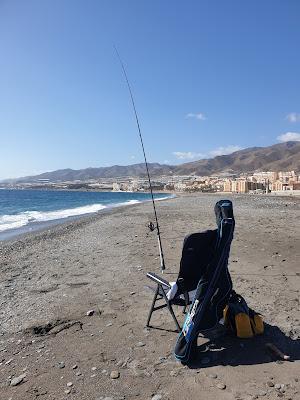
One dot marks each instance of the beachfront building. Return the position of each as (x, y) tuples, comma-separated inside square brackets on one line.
[(243, 185), (278, 186), (228, 185), (180, 186), (270, 176), (283, 186), (287, 176)]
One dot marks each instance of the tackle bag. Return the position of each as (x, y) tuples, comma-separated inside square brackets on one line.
[(241, 320)]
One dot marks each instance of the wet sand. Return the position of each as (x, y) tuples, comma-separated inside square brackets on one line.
[(49, 280)]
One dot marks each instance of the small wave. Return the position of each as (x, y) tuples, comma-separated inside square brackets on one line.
[(171, 196), (130, 202), (26, 217), (127, 203), (12, 222)]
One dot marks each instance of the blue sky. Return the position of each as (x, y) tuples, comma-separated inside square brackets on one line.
[(208, 77)]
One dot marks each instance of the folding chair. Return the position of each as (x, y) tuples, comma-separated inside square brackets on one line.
[(198, 251)]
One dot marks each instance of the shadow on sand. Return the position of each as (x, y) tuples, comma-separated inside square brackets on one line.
[(228, 350)]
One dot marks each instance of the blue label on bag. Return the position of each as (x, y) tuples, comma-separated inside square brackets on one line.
[(189, 323)]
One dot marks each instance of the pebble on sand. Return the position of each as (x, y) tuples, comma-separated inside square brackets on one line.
[(213, 376), (221, 386), (157, 397), (262, 393), (115, 374), (90, 313), (69, 384), (16, 381)]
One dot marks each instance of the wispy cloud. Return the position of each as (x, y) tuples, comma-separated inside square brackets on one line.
[(187, 155), (289, 137), (190, 155), (221, 151), (199, 116), (293, 117)]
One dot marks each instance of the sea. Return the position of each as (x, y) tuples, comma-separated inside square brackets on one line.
[(27, 210)]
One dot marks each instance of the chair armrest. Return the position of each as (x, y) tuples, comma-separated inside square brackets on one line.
[(158, 280)]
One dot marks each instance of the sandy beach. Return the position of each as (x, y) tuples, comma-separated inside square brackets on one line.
[(51, 279)]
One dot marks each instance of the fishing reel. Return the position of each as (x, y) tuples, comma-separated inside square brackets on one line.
[(151, 226)]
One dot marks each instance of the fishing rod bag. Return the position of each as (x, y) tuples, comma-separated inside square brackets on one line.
[(213, 288)]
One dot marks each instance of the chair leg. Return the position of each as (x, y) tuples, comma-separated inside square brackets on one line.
[(171, 312), (152, 306)]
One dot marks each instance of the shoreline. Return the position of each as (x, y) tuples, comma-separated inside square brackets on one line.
[(52, 227), (37, 226)]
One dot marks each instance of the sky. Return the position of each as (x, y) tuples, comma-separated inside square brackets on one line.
[(208, 78)]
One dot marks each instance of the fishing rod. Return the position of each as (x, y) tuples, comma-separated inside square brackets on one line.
[(161, 254)]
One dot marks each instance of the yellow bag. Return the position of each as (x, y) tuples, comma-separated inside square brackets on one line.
[(257, 323), (240, 319)]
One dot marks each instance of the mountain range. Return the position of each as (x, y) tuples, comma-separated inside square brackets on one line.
[(283, 156)]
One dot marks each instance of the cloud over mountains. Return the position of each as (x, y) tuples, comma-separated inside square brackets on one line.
[(289, 137)]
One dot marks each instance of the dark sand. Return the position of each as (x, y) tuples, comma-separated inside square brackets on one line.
[(99, 263)]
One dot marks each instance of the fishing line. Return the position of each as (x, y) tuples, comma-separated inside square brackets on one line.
[(161, 254)]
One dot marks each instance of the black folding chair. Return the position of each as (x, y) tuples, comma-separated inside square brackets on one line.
[(198, 250)]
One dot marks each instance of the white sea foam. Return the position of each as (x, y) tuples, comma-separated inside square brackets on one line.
[(171, 196), (24, 218), (126, 203)]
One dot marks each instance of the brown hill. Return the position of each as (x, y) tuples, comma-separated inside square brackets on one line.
[(134, 170), (283, 156)]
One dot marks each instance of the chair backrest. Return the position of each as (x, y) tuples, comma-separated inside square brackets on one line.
[(199, 249)]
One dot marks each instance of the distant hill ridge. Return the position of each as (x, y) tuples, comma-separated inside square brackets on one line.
[(279, 157), (283, 156)]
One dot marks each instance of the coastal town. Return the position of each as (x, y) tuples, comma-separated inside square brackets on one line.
[(268, 182), (260, 182)]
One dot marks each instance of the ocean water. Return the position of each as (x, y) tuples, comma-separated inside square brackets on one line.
[(21, 209)]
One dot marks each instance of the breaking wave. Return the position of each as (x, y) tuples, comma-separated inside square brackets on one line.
[(26, 217)]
